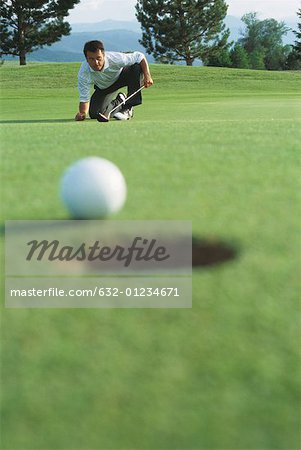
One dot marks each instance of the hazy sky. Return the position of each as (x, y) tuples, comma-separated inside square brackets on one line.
[(98, 10)]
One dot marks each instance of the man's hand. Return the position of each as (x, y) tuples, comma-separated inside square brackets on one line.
[(148, 81), (83, 110), (80, 116)]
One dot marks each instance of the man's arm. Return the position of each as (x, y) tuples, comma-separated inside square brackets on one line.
[(83, 111), (148, 81)]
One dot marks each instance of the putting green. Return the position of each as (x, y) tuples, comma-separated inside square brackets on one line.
[(216, 146)]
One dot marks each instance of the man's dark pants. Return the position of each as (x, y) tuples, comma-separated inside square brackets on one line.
[(130, 77)]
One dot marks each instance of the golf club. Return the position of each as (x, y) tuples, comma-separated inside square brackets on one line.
[(102, 118)]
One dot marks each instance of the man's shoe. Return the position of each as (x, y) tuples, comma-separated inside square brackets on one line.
[(118, 101), (124, 114)]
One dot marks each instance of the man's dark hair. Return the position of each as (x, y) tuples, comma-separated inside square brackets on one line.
[(93, 46)]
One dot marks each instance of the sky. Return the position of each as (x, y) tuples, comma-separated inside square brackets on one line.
[(98, 10)]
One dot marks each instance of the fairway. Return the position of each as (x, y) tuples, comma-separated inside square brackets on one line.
[(219, 147)]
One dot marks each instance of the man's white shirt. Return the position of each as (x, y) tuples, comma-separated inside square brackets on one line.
[(113, 65)]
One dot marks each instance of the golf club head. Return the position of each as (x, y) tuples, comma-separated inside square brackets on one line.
[(102, 118)]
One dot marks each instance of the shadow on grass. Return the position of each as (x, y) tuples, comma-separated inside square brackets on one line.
[(37, 121), (207, 253)]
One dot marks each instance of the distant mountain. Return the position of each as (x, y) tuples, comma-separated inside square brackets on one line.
[(118, 36), (70, 48), (235, 26), (106, 25), (48, 55), (232, 22)]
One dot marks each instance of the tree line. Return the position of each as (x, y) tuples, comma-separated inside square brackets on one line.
[(172, 31), (186, 30), (260, 47)]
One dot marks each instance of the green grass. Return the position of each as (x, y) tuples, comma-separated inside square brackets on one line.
[(219, 147)]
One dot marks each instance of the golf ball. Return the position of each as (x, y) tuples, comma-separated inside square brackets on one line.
[(93, 188)]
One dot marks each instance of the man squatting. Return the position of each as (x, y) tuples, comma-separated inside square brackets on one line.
[(109, 72)]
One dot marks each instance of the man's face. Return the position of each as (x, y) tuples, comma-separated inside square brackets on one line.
[(96, 59)]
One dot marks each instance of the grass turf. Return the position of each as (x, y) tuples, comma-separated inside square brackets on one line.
[(218, 147)]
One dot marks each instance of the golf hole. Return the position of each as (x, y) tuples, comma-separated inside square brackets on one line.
[(204, 254), (211, 253)]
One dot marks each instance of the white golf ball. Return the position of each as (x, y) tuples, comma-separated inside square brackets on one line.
[(93, 188)]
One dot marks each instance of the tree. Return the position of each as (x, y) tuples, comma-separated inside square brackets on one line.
[(297, 46), (256, 58), (239, 57), (262, 40), (27, 25), (276, 59), (182, 30), (293, 61), (221, 59)]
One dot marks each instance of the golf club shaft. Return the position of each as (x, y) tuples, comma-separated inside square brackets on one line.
[(130, 96)]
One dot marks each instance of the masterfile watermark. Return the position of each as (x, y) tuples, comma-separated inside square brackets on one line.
[(99, 264), (54, 250)]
